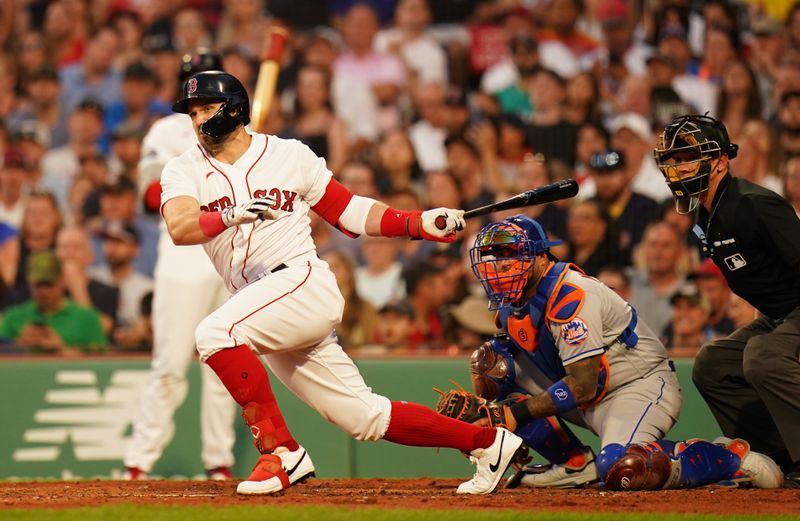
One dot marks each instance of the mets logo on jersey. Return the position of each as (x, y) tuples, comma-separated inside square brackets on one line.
[(191, 86), (575, 332)]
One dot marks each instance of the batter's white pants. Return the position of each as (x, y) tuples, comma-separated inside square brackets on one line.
[(288, 316), (187, 288)]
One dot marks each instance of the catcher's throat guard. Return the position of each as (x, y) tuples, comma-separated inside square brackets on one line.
[(684, 154)]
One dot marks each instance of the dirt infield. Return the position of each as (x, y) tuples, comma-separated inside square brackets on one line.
[(405, 493)]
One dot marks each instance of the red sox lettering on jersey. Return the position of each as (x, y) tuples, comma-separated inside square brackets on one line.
[(284, 200)]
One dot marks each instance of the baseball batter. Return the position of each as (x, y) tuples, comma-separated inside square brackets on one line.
[(246, 197), (187, 288), (576, 350)]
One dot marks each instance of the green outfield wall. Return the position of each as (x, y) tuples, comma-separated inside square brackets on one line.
[(64, 419)]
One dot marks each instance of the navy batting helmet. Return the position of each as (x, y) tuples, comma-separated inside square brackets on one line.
[(192, 63), (217, 86)]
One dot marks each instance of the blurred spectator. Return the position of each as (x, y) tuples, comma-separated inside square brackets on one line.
[(591, 241), (138, 106), (396, 163), (787, 80), (313, 121), (740, 312), (30, 54), (699, 93), (33, 141), (365, 77), (617, 279), (126, 150), (789, 123), (118, 202), (719, 50), (74, 252), (428, 134), (426, 285), (618, 34), (9, 259), (60, 165), (409, 39), (711, 283), (474, 324), (244, 66), (380, 279), (688, 328), (631, 134), (64, 37), (50, 322), (359, 178), (121, 245), (766, 50), (548, 131), (323, 46), (464, 162), (591, 138), (394, 328), (791, 182), (506, 80), (243, 24), (629, 212), (130, 29), (654, 284), (739, 98), (93, 77), (512, 149), (328, 239), (561, 46), (582, 99), (360, 318), (753, 160), (13, 198), (189, 30), (43, 106), (163, 60)]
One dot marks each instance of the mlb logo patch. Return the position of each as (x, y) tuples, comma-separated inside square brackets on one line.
[(575, 332), (735, 261)]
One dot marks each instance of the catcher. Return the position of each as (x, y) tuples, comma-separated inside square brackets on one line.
[(574, 350)]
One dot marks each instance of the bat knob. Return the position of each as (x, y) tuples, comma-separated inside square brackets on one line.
[(440, 222)]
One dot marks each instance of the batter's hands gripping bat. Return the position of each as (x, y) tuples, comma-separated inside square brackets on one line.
[(268, 78), (557, 191)]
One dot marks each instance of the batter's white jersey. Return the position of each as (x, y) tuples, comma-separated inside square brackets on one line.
[(284, 169)]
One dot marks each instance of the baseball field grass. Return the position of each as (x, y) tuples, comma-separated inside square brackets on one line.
[(259, 512)]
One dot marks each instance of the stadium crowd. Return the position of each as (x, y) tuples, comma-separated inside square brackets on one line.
[(418, 103)]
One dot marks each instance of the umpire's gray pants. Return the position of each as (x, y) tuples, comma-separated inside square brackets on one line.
[(751, 382)]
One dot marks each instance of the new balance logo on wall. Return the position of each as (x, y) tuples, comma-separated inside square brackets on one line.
[(90, 420)]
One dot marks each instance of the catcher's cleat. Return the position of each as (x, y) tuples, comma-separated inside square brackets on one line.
[(755, 469), (134, 474), (219, 474), (492, 463), (580, 470)]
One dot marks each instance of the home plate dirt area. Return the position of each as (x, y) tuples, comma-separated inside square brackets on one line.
[(426, 493)]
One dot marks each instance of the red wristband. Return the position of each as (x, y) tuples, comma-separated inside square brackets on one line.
[(398, 223), (211, 223)]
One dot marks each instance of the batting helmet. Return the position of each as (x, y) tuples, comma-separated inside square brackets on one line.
[(503, 255), (192, 63), (684, 153), (217, 86)]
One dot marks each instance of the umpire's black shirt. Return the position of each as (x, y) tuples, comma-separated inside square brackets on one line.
[(753, 235)]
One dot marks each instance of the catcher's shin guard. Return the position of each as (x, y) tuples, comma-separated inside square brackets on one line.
[(551, 438)]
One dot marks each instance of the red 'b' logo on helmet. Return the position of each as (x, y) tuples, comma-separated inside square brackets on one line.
[(192, 86)]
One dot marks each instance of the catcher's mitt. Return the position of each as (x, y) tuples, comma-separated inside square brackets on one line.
[(460, 404)]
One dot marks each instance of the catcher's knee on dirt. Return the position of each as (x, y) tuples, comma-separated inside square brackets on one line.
[(633, 467)]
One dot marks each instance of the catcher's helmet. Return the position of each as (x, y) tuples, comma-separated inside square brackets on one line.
[(684, 153), (217, 86), (192, 63), (503, 256)]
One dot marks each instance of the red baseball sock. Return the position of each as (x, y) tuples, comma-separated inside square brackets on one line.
[(246, 379), (418, 426)]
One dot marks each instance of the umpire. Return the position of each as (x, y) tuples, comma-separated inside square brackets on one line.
[(751, 379)]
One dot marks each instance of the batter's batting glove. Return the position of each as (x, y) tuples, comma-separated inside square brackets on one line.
[(250, 211), (439, 224)]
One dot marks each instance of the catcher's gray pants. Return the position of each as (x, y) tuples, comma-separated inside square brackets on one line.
[(751, 382)]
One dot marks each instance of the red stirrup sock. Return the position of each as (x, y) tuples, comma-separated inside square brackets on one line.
[(246, 379), (418, 426)]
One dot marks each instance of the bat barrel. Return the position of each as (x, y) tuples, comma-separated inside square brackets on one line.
[(557, 191)]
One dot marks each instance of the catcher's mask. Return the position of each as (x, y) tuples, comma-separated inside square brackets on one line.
[(503, 257), (216, 86), (684, 153)]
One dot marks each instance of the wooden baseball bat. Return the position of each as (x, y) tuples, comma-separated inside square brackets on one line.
[(267, 78), (557, 191)]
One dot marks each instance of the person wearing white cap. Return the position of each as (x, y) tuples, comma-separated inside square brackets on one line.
[(631, 133)]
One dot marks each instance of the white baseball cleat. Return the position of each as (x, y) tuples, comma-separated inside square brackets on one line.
[(760, 470), (277, 471), (492, 463), (579, 471)]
